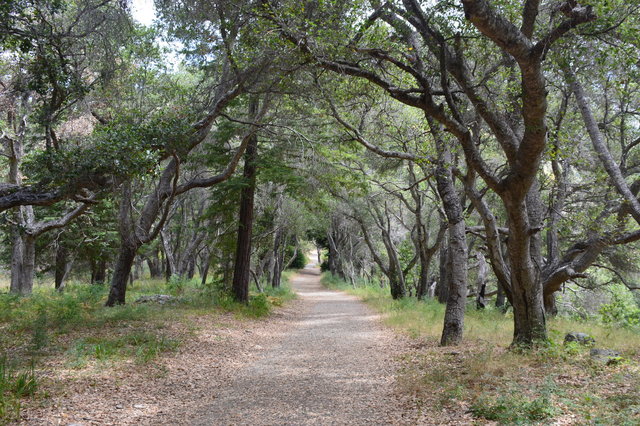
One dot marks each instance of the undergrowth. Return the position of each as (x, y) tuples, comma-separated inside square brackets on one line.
[(552, 383)]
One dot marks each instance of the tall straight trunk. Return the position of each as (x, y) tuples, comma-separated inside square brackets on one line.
[(242, 268), (278, 258)]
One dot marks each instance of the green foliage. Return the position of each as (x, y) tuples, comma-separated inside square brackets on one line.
[(142, 345), (622, 310), (124, 148), (14, 385), (513, 409), (300, 261)]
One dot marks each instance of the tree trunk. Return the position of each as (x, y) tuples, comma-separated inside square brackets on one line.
[(444, 279), (22, 263), (17, 260), (481, 284), (457, 253), (191, 270), (423, 280), (242, 268), (550, 307), (169, 256), (121, 273), (205, 269), (155, 271), (526, 287), (278, 257), (457, 297), (332, 255), (100, 275), (62, 261)]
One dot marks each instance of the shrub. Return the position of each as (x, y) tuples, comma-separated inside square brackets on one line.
[(622, 310), (300, 261), (513, 409), (13, 386)]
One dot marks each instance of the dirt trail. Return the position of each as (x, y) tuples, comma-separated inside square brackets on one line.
[(333, 366), (322, 359)]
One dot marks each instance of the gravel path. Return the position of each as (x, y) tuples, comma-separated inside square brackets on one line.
[(333, 366)]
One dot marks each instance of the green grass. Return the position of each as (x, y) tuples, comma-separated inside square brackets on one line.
[(423, 319), (514, 409), (141, 345), (485, 378), (15, 384), (77, 328)]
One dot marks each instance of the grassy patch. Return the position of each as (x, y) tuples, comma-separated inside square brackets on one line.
[(143, 345), (15, 384), (513, 409), (555, 382), (74, 330)]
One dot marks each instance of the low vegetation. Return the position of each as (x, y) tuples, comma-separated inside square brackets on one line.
[(76, 330), (491, 382)]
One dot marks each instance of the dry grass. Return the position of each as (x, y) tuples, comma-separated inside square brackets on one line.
[(72, 340), (483, 381)]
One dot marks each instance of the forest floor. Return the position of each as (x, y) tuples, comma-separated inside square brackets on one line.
[(323, 358)]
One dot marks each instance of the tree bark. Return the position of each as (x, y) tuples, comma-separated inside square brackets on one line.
[(444, 271), (481, 284), (242, 267), (278, 258), (22, 263), (206, 263), (457, 253), (62, 266), (526, 286), (121, 273)]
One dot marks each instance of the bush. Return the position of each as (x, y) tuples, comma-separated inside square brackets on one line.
[(622, 310), (300, 261), (513, 409)]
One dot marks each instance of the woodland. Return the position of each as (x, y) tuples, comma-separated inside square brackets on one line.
[(457, 164)]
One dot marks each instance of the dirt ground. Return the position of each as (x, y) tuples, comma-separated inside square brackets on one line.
[(322, 359)]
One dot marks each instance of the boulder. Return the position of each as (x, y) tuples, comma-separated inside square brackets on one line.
[(161, 299), (581, 338), (605, 356)]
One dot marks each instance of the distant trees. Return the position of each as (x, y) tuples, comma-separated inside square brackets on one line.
[(397, 135)]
